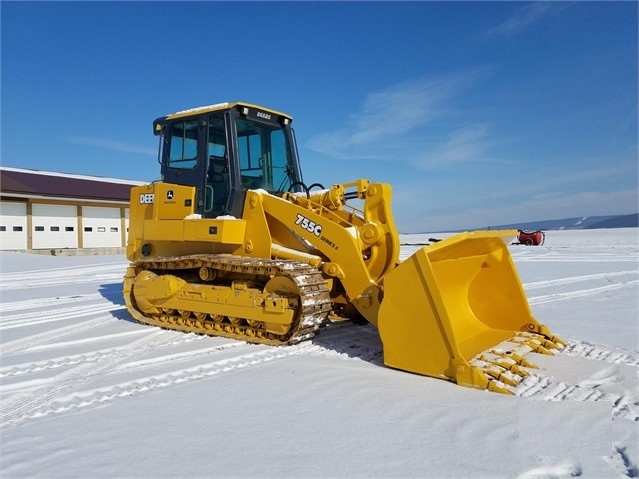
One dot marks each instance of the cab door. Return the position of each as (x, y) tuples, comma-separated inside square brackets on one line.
[(183, 157), (217, 187)]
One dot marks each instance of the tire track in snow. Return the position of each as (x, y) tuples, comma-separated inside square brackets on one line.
[(576, 279), (18, 408), (88, 340), (61, 276), (34, 340), (62, 271), (53, 314), (624, 406), (180, 356), (552, 298), (48, 302), (543, 387), (576, 254), (341, 341), (625, 258), (580, 259), (60, 397), (621, 461), (96, 355), (41, 317), (54, 363), (585, 349), (348, 343), (563, 470)]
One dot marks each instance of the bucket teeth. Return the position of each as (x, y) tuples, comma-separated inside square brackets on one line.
[(505, 365), (539, 343), (560, 343), (515, 354), (542, 350), (505, 362), (494, 370), (499, 387)]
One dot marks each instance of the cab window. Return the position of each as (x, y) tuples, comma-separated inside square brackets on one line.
[(183, 145), (263, 156)]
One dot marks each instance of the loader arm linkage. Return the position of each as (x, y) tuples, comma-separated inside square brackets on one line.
[(455, 309), (355, 247)]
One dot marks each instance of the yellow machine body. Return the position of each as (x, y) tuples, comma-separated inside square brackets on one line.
[(454, 310)]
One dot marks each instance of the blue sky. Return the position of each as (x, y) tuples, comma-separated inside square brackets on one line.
[(477, 113)]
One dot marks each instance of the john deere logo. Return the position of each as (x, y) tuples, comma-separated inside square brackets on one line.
[(169, 195)]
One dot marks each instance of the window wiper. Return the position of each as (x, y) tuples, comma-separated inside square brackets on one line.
[(290, 178)]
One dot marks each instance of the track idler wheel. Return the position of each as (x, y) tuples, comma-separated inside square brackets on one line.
[(149, 289)]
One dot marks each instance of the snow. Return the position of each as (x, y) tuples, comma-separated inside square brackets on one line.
[(87, 392), (201, 108)]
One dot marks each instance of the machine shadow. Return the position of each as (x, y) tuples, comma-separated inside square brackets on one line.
[(112, 292), (356, 341)]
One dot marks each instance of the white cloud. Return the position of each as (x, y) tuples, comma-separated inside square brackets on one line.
[(468, 143), (391, 123), (111, 145), (465, 142), (524, 17), (402, 108)]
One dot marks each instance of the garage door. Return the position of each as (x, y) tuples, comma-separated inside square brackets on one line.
[(54, 226), (101, 227), (126, 225), (13, 226)]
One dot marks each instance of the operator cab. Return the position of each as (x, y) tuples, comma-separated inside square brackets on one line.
[(224, 150)]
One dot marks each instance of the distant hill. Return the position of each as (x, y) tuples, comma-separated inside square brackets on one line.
[(581, 223), (623, 221)]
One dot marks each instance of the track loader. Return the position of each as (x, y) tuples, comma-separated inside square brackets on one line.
[(232, 242)]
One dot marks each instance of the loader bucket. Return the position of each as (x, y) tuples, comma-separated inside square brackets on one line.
[(457, 310)]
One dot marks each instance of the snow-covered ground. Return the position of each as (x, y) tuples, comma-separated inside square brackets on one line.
[(87, 392)]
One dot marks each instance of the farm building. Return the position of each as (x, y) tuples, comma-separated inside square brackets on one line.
[(57, 212)]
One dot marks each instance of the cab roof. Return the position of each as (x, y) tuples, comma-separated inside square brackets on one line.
[(223, 106)]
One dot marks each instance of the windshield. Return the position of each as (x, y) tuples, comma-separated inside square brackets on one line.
[(264, 155)]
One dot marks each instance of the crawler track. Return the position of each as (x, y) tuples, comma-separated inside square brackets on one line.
[(314, 301)]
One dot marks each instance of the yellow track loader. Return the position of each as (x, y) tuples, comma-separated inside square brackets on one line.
[(232, 242)]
